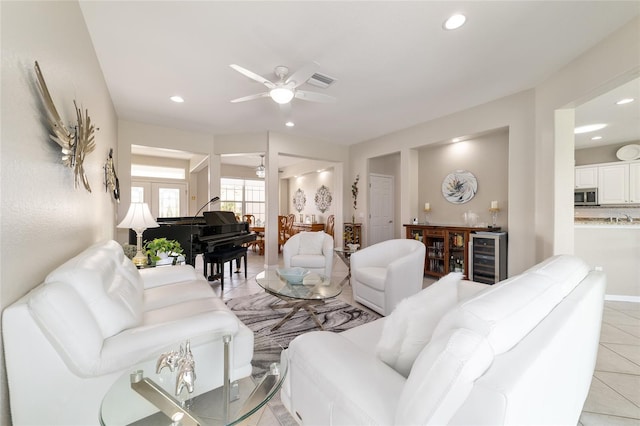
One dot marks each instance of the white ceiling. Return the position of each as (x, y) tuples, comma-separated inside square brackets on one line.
[(395, 66)]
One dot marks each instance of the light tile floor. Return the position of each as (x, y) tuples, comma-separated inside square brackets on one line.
[(614, 397)]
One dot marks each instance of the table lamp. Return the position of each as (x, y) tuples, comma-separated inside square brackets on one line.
[(138, 218)]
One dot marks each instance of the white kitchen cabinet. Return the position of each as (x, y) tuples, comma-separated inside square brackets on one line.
[(634, 182), (586, 177), (619, 183)]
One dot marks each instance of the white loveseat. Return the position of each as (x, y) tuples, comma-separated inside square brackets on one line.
[(520, 352), (94, 318)]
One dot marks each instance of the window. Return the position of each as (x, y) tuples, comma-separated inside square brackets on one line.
[(143, 170), (243, 197)]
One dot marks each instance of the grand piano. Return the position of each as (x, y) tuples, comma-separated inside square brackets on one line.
[(215, 230)]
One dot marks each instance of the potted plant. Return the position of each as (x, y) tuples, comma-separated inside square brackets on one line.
[(161, 249)]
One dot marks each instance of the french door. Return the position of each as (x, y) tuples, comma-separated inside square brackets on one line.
[(164, 199)]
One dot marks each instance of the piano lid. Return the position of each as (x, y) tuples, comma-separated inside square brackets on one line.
[(220, 217)]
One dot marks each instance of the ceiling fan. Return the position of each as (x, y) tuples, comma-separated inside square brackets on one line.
[(286, 88)]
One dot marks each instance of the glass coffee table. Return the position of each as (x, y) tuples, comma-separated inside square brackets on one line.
[(313, 291), (124, 403)]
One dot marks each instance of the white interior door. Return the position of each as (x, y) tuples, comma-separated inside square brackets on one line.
[(381, 220)]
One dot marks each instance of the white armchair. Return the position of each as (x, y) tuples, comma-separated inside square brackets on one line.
[(310, 250), (385, 273)]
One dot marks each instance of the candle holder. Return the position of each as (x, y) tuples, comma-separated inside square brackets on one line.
[(426, 215), (494, 216)]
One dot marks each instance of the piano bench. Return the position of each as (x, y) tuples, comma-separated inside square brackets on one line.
[(219, 258)]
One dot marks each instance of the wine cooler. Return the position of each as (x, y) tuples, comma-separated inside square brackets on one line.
[(488, 257)]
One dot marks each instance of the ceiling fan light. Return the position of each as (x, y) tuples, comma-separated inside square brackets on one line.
[(281, 95)]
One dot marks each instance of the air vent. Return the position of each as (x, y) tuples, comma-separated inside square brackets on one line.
[(321, 80)]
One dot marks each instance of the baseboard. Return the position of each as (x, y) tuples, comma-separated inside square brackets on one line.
[(618, 298)]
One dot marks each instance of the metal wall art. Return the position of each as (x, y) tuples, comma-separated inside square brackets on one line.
[(111, 182), (299, 200), (75, 143), (323, 198), (459, 187)]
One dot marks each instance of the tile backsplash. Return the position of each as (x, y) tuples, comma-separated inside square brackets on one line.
[(606, 212)]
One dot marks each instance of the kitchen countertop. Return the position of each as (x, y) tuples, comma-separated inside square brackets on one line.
[(601, 222)]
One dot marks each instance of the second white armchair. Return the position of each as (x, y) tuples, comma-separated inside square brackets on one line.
[(387, 272), (311, 250)]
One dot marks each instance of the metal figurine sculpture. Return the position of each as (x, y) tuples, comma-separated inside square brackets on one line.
[(186, 373), (75, 145), (184, 362), (168, 359)]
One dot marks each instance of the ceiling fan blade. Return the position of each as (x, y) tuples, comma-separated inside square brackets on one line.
[(251, 97), (302, 75), (314, 96), (253, 76)]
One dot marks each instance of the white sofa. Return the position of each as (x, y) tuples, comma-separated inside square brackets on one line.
[(520, 352), (310, 250), (94, 318), (385, 273)]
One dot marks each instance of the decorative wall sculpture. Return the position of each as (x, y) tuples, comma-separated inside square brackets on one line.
[(459, 187), (323, 198), (299, 200), (75, 143), (111, 182)]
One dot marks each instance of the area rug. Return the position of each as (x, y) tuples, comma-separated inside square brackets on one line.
[(257, 313)]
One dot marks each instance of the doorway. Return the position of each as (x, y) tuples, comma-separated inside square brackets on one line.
[(381, 221)]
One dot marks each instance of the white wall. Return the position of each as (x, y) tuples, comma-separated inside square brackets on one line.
[(132, 133), (309, 184), (45, 221), (487, 157), (612, 62), (516, 113)]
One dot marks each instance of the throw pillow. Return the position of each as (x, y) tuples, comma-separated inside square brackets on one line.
[(311, 242), (408, 329)]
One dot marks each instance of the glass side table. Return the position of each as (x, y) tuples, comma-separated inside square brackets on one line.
[(122, 405), (345, 253)]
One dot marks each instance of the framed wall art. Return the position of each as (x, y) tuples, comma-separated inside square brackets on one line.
[(459, 187)]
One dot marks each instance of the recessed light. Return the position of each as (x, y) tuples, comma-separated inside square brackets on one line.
[(456, 140), (625, 101), (596, 138), (589, 128), (454, 22), (177, 99), (289, 124)]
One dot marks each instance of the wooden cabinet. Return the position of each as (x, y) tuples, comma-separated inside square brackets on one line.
[(446, 247), (586, 177), (309, 227), (352, 233)]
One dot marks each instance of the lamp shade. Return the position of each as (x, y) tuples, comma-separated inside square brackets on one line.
[(138, 217), (281, 95)]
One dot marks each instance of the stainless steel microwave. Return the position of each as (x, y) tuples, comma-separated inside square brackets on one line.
[(585, 197)]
